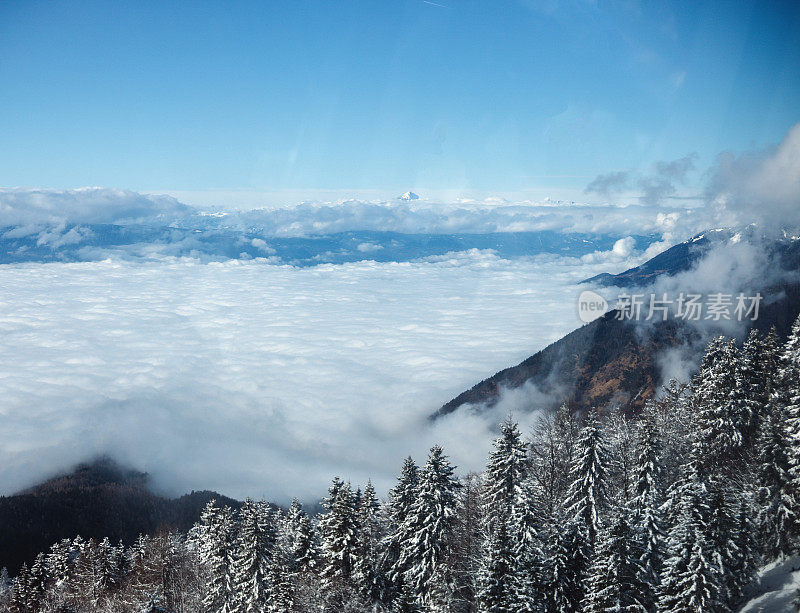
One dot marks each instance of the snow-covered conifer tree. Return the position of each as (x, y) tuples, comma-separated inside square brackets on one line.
[(215, 547), (647, 517), (787, 395), (719, 419), (498, 576), (567, 566), (690, 580), (338, 529), (401, 498), (370, 534), (21, 600), (281, 590), (430, 521), (252, 551), (303, 545), (38, 579), (777, 519), (510, 524), (587, 499), (616, 578)]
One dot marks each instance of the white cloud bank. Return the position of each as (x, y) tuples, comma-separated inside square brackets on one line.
[(21, 207), (29, 211), (255, 379), (762, 185)]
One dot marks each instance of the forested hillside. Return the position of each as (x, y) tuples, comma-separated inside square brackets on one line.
[(672, 511), (98, 499)]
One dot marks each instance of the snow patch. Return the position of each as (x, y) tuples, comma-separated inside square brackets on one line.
[(776, 588)]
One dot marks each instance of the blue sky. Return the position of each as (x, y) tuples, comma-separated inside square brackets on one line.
[(383, 95)]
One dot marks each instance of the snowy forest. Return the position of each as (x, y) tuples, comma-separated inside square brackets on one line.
[(673, 509)]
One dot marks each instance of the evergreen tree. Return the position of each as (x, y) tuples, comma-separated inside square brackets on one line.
[(587, 499), (567, 567), (744, 564), (303, 546), (404, 494), (621, 444), (777, 519), (647, 517), (108, 578), (723, 542), (339, 532), (430, 521), (252, 550), (719, 406), (38, 579), (755, 375), (59, 562), (506, 471), (5, 583), (215, 546), (405, 601), (787, 396), (616, 580), (401, 498), (498, 573), (21, 600), (690, 580), (509, 511), (281, 591), (370, 533)]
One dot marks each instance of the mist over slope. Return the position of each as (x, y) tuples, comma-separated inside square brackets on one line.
[(614, 362)]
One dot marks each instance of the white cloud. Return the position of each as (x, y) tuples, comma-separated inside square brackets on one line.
[(35, 211), (257, 379), (20, 207), (624, 246), (475, 218), (260, 243), (760, 185), (369, 247)]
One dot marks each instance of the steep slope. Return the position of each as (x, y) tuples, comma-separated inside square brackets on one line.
[(677, 258), (95, 500), (610, 362)]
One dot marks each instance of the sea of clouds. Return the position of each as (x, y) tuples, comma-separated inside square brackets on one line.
[(256, 379), (260, 378)]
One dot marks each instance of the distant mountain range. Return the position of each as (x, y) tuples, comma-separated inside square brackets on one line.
[(88, 242), (609, 362), (96, 500)]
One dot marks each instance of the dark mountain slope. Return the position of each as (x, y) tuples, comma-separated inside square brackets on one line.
[(677, 258), (604, 362), (94, 501), (610, 362)]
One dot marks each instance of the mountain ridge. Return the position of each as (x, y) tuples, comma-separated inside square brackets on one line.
[(609, 362), (96, 499)]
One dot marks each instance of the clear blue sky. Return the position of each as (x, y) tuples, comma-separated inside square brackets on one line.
[(491, 94)]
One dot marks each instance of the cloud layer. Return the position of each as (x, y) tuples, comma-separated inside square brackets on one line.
[(34, 207), (34, 210), (255, 379)]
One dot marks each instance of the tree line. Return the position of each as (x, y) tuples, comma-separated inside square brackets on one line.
[(670, 510)]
